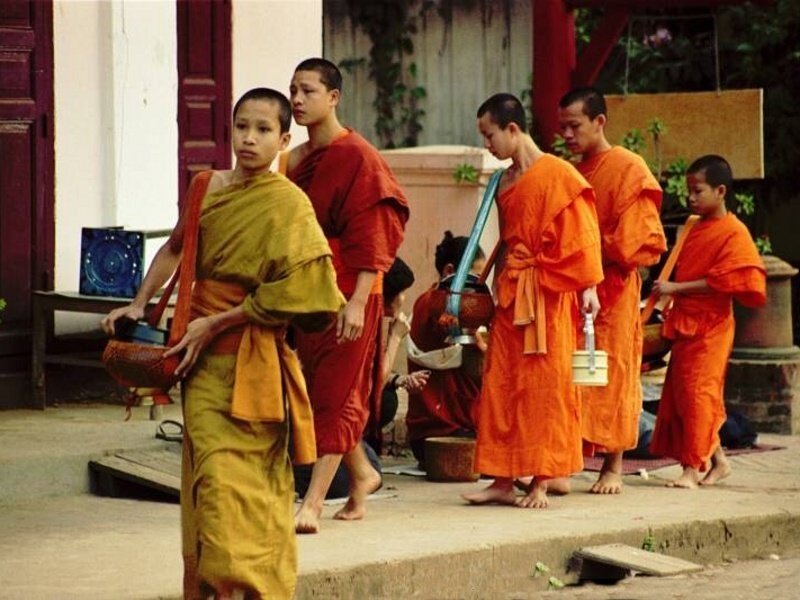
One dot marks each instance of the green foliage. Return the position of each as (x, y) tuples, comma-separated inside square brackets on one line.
[(540, 569), (745, 204), (633, 141), (2, 306), (560, 148), (763, 244), (649, 542), (465, 173), (390, 25), (758, 47)]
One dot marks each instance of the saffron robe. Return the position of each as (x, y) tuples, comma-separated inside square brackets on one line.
[(363, 212), (692, 407), (259, 246), (528, 413), (446, 405), (628, 208)]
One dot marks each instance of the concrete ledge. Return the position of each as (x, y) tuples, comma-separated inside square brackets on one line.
[(507, 571)]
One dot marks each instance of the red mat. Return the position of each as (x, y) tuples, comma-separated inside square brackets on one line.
[(631, 466)]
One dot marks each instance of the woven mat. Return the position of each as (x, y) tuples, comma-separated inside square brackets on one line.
[(631, 466)]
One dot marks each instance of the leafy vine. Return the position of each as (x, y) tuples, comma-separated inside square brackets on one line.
[(390, 25)]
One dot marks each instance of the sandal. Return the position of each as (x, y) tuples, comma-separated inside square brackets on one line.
[(170, 431)]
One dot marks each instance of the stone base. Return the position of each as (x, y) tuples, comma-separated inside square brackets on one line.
[(767, 392)]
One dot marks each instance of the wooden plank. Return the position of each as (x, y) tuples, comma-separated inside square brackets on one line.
[(728, 122), (158, 469), (635, 559)]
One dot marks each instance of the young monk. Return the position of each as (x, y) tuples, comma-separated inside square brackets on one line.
[(260, 250), (363, 212), (446, 405), (628, 207), (719, 261), (529, 412)]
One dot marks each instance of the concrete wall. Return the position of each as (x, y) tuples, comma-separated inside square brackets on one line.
[(438, 203)]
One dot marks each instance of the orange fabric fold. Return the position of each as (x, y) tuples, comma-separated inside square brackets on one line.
[(529, 303), (268, 379)]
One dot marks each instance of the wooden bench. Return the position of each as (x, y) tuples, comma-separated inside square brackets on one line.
[(44, 305)]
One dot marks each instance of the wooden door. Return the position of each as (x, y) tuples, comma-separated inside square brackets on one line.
[(26, 172), (204, 87)]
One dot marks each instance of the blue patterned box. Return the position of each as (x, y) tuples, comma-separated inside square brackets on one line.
[(111, 261)]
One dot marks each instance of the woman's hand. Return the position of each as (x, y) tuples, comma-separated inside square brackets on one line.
[(414, 381)]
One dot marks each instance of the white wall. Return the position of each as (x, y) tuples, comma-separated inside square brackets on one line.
[(270, 37), (116, 134), (116, 130)]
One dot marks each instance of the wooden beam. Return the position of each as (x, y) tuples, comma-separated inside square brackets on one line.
[(661, 4), (603, 40), (553, 63)]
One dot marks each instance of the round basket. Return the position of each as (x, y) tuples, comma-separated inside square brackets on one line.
[(654, 346), (450, 459), (475, 308)]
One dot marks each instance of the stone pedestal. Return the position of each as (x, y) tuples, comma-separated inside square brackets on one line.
[(763, 378), (767, 392)]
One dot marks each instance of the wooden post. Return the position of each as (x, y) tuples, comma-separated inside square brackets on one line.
[(553, 64)]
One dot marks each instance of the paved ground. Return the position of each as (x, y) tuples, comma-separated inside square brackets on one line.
[(419, 539)]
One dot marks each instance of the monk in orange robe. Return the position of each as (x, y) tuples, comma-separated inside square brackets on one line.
[(719, 261), (363, 212), (529, 410), (445, 406), (628, 207)]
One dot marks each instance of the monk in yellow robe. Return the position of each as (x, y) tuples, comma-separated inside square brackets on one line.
[(260, 250), (628, 207), (528, 413), (719, 262)]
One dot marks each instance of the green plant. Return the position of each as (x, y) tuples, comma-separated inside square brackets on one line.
[(763, 244), (2, 307), (560, 148), (649, 542), (390, 24), (553, 582), (465, 173)]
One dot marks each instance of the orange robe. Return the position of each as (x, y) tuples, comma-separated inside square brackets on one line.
[(363, 212), (628, 207), (529, 412), (692, 408), (446, 405)]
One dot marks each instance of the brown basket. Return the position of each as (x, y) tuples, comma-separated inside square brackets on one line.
[(654, 347), (476, 309), (450, 459)]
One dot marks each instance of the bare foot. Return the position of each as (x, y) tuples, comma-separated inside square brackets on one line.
[(558, 486), (501, 491), (610, 479), (536, 497), (609, 482), (688, 480), (306, 520), (720, 468), (360, 488)]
